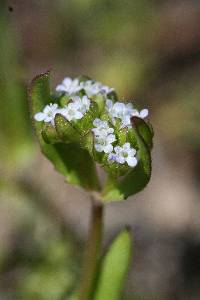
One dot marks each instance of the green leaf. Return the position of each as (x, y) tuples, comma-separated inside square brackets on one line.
[(87, 142), (65, 130), (85, 124), (70, 160), (50, 134), (146, 131), (121, 188), (114, 268), (121, 135), (64, 100), (100, 101)]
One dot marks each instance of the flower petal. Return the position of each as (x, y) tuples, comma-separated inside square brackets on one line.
[(132, 152), (67, 81), (110, 138), (48, 119), (144, 113), (109, 104), (39, 116), (131, 161), (78, 115), (112, 157), (118, 149), (97, 122), (98, 147), (47, 109), (108, 148), (126, 146), (120, 159), (61, 88)]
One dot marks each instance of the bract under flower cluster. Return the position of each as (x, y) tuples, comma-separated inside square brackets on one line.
[(104, 125)]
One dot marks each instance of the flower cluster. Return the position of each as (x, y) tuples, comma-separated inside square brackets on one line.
[(104, 132), (71, 86), (75, 110), (124, 112), (124, 154), (104, 136), (94, 88)]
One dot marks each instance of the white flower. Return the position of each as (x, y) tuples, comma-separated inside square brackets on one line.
[(124, 154), (94, 88), (83, 104), (106, 89), (48, 113), (71, 111), (124, 112), (91, 88), (112, 157), (72, 86), (76, 109), (99, 123), (104, 143), (117, 109), (142, 114), (69, 86), (102, 129), (120, 110), (110, 110), (103, 136)]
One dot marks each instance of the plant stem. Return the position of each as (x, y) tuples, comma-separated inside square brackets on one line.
[(92, 251)]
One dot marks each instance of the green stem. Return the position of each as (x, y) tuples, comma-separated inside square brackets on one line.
[(92, 251)]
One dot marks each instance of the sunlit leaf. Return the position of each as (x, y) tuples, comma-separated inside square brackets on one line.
[(114, 268), (69, 159)]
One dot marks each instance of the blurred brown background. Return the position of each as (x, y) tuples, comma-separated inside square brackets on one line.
[(150, 52)]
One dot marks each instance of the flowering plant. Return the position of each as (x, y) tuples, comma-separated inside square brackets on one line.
[(81, 124)]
